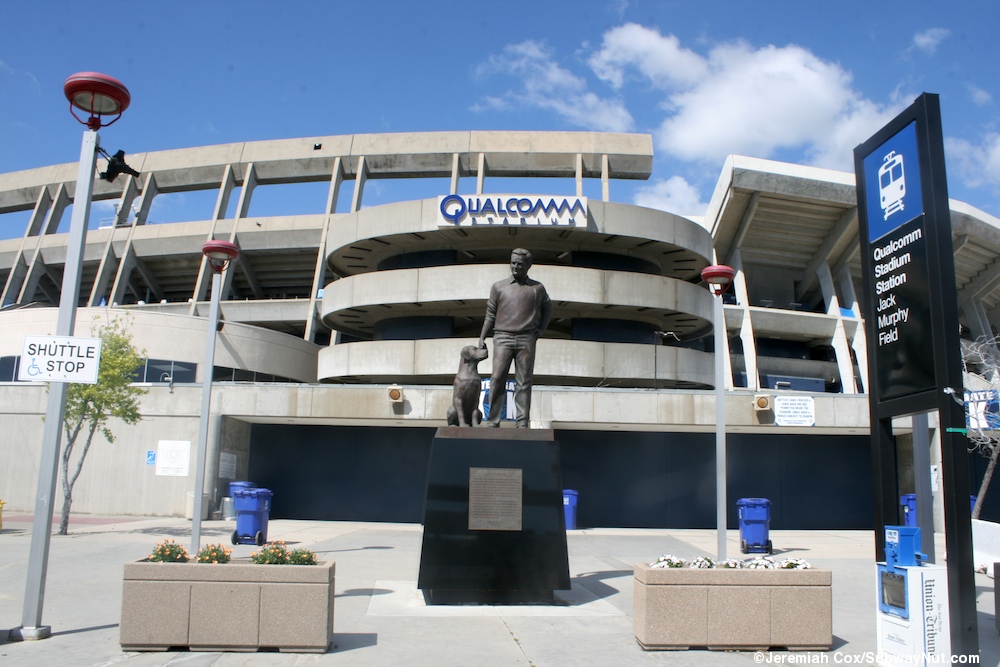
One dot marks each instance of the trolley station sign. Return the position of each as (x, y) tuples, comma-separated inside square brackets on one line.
[(897, 256), (60, 359)]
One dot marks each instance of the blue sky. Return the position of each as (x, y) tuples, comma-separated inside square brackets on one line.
[(792, 80)]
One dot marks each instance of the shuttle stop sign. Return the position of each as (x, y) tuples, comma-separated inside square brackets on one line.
[(60, 359)]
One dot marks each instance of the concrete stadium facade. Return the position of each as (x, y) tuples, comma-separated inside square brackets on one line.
[(324, 311)]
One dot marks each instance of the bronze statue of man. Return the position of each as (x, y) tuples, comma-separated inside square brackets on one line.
[(517, 313)]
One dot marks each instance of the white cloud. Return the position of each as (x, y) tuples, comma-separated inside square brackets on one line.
[(979, 96), (675, 195), (928, 40), (742, 99), (977, 163), (547, 85), (659, 59), (769, 101)]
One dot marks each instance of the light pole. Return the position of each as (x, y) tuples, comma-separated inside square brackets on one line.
[(719, 278), (219, 255), (98, 95)]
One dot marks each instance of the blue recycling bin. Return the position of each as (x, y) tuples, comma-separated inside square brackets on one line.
[(909, 503), (569, 507), (233, 486), (755, 521), (253, 506)]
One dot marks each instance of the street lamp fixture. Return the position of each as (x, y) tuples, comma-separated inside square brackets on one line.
[(97, 94), (219, 254), (719, 278)]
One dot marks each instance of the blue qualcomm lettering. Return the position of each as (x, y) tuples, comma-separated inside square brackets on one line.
[(454, 207)]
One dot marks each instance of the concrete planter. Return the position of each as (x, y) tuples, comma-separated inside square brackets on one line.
[(720, 609), (229, 607)]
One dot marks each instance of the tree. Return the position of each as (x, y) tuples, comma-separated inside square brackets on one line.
[(90, 406), (981, 377)]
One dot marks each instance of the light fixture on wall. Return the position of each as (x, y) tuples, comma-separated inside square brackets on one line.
[(762, 403), (395, 393)]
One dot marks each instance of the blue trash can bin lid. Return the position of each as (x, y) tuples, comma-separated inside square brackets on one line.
[(753, 501)]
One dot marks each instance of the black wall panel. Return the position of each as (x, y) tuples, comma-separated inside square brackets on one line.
[(655, 480)]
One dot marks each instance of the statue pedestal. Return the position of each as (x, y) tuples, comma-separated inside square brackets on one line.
[(494, 524)]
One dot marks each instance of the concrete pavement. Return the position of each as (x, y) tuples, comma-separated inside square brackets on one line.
[(380, 616)]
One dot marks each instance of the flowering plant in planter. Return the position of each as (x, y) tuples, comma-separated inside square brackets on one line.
[(168, 551), (301, 557), (704, 563), (668, 561), (213, 553), (275, 553)]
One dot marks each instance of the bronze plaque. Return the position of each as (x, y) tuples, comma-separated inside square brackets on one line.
[(495, 498)]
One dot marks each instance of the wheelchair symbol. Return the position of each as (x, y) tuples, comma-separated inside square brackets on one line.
[(33, 369)]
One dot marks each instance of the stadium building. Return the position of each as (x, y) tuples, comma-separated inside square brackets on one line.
[(325, 312)]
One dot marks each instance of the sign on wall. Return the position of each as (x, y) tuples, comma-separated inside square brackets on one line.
[(512, 210), (60, 359), (173, 458), (794, 411)]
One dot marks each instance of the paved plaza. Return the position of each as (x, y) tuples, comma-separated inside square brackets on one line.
[(380, 616)]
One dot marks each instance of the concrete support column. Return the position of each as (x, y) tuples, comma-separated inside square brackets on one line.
[(859, 343), (481, 174), (109, 263), (359, 184), (19, 268), (225, 192), (746, 326), (456, 167), (841, 349), (605, 171), (579, 174), (36, 267), (242, 211), (979, 323), (319, 274)]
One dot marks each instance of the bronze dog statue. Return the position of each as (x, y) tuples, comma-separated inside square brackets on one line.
[(464, 410)]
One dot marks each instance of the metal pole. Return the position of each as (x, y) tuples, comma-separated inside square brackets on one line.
[(720, 426), (922, 483), (206, 401), (41, 529)]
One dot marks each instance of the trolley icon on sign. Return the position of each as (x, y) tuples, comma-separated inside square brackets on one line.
[(891, 183)]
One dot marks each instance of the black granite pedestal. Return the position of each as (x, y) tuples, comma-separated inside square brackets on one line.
[(494, 524)]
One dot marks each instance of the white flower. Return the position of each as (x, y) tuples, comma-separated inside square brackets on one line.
[(760, 563), (668, 561), (794, 564), (730, 564), (702, 562)]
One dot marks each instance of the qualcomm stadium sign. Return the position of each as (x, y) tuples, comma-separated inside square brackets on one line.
[(519, 210)]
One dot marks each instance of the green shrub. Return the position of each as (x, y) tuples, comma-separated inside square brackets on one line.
[(301, 557), (213, 553), (168, 551), (271, 553)]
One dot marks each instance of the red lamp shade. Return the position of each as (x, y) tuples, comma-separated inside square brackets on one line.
[(97, 94), (719, 277), (220, 253)]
